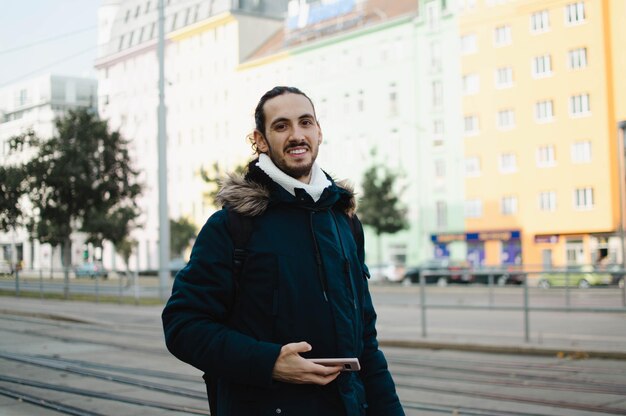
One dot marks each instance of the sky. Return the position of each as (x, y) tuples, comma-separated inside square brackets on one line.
[(47, 36)]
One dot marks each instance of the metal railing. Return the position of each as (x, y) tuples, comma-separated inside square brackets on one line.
[(564, 280), (66, 283)]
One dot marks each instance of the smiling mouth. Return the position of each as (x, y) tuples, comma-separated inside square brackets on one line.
[(297, 151)]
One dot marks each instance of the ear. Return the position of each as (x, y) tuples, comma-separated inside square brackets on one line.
[(321, 136), (261, 143)]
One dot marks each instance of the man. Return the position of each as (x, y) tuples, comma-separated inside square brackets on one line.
[(301, 293)]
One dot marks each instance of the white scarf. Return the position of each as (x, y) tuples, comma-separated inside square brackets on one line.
[(314, 188)]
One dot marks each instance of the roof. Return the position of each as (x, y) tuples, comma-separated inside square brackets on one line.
[(365, 13)]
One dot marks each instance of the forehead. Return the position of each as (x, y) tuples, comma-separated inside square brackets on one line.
[(289, 106)]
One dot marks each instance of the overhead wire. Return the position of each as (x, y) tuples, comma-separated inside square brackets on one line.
[(46, 40), (82, 52), (50, 65)]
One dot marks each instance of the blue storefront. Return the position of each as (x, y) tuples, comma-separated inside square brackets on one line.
[(510, 251)]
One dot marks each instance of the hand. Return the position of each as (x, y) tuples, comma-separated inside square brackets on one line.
[(290, 367)]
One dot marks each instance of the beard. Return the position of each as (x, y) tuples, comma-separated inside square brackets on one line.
[(297, 171)]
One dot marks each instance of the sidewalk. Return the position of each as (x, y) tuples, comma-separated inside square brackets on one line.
[(599, 335)]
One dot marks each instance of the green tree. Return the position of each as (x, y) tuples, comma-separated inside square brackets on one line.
[(182, 231), (11, 189), (380, 206), (125, 249), (81, 179)]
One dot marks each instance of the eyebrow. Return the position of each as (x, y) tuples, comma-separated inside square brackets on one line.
[(281, 119)]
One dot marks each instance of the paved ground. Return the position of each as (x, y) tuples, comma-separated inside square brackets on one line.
[(117, 351)]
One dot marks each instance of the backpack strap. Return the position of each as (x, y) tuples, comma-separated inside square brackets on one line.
[(240, 229)]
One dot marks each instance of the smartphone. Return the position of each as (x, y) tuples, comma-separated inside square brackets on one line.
[(347, 364)]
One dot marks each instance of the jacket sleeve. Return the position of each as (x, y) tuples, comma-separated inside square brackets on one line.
[(194, 316), (380, 389)]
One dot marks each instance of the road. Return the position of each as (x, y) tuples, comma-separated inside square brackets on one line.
[(105, 359)]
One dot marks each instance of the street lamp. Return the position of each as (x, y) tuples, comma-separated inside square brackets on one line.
[(620, 166)]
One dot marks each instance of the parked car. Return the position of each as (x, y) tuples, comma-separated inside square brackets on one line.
[(617, 274), (502, 275), (91, 269), (439, 271), (575, 276), (5, 268)]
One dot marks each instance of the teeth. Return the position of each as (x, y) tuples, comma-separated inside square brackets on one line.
[(297, 151)]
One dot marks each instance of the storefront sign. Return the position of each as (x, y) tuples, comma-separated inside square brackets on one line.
[(546, 239)]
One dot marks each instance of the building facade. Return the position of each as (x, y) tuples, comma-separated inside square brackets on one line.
[(205, 41), (540, 83)]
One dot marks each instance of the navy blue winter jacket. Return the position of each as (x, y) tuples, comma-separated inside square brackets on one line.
[(303, 279)]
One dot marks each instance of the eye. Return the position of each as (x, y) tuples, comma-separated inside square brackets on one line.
[(280, 126), (307, 122)]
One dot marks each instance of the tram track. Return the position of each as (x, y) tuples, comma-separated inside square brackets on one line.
[(46, 403), (54, 365), (560, 404), (101, 395), (477, 373)]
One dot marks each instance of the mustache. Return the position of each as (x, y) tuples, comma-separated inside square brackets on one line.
[(299, 144)]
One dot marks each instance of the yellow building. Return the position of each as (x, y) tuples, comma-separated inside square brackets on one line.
[(544, 87)]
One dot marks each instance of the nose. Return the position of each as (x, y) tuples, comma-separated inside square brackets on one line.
[(297, 134)]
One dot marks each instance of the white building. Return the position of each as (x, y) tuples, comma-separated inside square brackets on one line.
[(34, 104), (366, 64), (205, 42)]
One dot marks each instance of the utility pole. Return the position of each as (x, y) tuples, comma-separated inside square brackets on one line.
[(164, 223)]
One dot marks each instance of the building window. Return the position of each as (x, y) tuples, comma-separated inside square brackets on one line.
[(435, 55), (468, 44), (22, 97), (540, 22), (442, 214), (575, 252), (440, 168), (545, 156), (471, 84), (127, 16), (473, 208), (121, 44), (470, 125), (508, 163), (506, 119), (577, 58), (502, 36), (542, 66), (472, 166), (438, 128), (581, 152), (575, 13), (360, 103), (437, 91), (504, 77), (432, 15), (393, 100), (579, 105), (544, 111), (508, 205), (583, 198), (547, 201)]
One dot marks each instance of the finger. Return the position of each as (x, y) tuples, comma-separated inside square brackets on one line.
[(298, 347), (324, 370)]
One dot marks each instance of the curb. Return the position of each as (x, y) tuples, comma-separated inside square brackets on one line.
[(506, 349)]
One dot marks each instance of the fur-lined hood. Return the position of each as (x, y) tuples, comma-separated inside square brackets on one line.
[(250, 197)]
